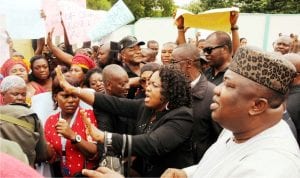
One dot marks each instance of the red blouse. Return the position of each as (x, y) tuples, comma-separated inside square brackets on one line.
[(75, 161)]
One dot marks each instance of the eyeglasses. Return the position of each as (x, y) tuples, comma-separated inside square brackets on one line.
[(173, 61), (208, 50)]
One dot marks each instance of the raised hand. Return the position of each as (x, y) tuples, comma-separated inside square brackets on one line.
[(233, 17), (94, 132), (63, 82), (49, 39)]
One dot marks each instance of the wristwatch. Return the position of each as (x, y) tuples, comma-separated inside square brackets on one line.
[(76, 140)]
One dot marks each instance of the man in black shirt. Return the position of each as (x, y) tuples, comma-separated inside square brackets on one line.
[(132, 59)]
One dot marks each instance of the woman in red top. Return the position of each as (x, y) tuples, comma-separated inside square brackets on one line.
[(66, 132), (18, 67), (39, 77)]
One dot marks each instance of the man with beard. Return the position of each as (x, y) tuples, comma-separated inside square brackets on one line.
[(108, 54), (131, 57)]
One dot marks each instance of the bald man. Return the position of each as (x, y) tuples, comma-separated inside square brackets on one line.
[(205, 130), (249, 105), (148, 54), (166, 52), (283, 44), (293, 101), (116, 83)]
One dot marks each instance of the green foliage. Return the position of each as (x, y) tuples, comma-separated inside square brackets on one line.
[(140, 8), (98, 4), (248, 6)]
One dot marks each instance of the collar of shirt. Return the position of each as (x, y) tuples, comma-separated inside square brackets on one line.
[(194, 82)]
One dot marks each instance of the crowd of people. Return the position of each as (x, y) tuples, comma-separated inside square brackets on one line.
[(213, 107)]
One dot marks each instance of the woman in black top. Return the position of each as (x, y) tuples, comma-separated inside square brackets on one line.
[(164, 121)]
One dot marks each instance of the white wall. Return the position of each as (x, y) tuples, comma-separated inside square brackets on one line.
[(260, 29)]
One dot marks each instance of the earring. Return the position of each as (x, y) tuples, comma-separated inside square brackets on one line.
[(167, 108)]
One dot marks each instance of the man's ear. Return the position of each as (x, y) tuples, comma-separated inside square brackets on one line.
[(259, 106), (122, 55), (108, 86)]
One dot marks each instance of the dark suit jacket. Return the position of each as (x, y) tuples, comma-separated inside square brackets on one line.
[(293, 108), (158, 145), (205, 130)]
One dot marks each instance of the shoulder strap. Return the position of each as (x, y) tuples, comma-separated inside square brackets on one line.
[(129, 153), (18, 122)]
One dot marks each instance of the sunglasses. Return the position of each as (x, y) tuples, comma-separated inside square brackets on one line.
[(208, 50)]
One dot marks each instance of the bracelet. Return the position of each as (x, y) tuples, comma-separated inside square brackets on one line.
[(108, 139), (235, 27), (180, 29)]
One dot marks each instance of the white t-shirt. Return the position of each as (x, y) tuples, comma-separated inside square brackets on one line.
[(272, 153)]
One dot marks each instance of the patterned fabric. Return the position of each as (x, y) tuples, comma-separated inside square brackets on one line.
[(8, 64), (83, 61), (75, 160), (267, 69)]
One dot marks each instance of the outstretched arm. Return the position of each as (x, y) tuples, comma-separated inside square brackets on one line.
[(95, 133), (84, 94), (234, 30), (181, 30), (61, 55)]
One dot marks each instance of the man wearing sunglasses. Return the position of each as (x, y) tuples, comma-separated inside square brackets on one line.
[(218, 48), (218, 52)]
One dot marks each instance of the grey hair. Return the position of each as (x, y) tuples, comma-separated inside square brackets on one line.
[(11, 81)]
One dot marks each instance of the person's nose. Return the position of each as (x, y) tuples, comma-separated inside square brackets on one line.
[(20, 97), (217, 89), (71, 99), (19, 72), (127, 86), (99, 83), (43, 69)]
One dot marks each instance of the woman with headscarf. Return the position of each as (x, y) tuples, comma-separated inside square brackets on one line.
[(19, 123), (19, 68), (80, 65)]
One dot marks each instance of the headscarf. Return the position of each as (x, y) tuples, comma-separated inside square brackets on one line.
[(83, 61), (8, 64)]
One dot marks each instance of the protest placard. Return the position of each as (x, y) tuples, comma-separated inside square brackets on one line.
[(23, 18), (53, 18), (4, 48), (216, 19), (78, 20), (117, 16)]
